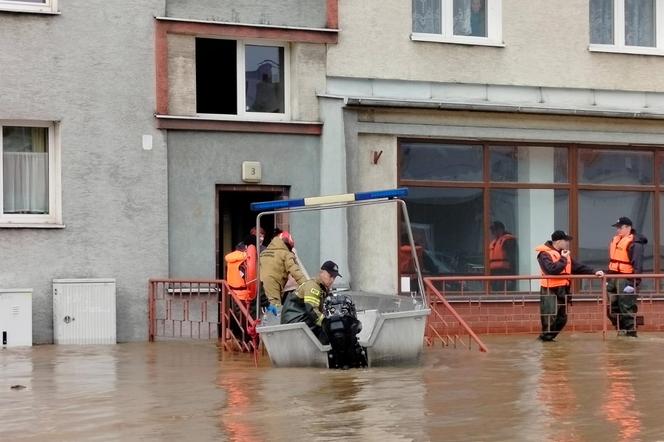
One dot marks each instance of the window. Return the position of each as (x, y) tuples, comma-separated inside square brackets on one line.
[(458, 21), (629, 26), (29, 167), (43, 6), (242, 79)]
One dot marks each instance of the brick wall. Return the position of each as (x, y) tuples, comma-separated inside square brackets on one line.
[(487, 317)]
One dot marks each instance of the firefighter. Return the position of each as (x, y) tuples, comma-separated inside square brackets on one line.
[(625, 257), (306, 303), (502, 256), (278, 261), (554, 259)]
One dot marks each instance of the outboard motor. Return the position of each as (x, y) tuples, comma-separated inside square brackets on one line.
[(341, 327)]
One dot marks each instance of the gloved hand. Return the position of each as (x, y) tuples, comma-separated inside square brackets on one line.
[(628, 289), (271, 309)]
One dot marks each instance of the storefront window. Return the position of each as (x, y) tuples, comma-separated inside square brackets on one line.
[(447, 225), (598, 210), (448, 162), (528, 164), (597, 166), (529, 216)]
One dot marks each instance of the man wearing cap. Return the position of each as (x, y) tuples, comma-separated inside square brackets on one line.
[(625, 257), (306, 303), (554, 259)]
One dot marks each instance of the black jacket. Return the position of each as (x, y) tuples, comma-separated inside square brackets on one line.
[(556, 268)]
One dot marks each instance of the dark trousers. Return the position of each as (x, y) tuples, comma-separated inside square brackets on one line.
[(622, 306), (553, 311), (503, 285)]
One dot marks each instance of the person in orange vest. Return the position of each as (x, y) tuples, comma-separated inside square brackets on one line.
[(502, 256), (241, 278), (625, 257), (554, 259)]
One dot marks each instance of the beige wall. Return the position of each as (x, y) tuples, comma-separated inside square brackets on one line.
[(307, 75), (546, 44)]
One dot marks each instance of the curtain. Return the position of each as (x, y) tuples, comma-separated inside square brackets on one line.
[(601, 22), (25, 170), (640, 23), (462, 17), (426, 16)]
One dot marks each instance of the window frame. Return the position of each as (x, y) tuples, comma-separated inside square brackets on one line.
[(242, 113), (619, 45), (54, 217), (48, 7), (494, 27)]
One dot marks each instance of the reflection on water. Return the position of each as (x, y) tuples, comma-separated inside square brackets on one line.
[(579, 388)]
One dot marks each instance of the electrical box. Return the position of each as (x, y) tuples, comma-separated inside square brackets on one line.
[(15, 317), (84, 311), (251, 171)]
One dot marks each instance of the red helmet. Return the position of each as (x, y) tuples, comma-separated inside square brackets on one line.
[(287, 239), (253, 231)]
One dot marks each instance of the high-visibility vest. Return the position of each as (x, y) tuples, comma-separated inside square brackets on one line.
[(618, 257), (406, 264), (241, 272), (497, 256), (555, 257)]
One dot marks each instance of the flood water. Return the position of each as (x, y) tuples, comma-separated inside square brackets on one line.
[(579, 388)]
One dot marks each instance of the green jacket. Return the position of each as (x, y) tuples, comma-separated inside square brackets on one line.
[(277, 262), (306, 305)]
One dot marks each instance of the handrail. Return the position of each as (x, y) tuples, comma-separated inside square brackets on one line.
[(456, 315)]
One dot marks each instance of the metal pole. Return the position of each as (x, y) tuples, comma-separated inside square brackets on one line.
[(420, 281)]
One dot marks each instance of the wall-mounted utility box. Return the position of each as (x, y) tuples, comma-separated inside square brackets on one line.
[(84, 311), (15, 317)]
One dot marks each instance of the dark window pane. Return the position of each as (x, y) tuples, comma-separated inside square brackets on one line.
[(216, 76), (597, 166), (528, 164), (426, 16), (449, 162), (470, 17), (640, 23), (25, 170), (601, 22), (598, 210), (530, 216), (447, 225), (264, 79)]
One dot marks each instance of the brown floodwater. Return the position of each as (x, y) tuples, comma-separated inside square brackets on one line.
[(580, 388)]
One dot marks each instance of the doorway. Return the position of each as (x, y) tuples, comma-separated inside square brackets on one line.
[(235, 219)]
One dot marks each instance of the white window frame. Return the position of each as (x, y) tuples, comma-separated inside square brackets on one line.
[(48, 7), (54, 217), (241, 98), (619, 45), (494, 28)]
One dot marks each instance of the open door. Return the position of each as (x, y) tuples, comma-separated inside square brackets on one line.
[(235, 219)]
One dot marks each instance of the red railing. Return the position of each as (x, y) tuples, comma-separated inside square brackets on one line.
[(201, 309), (510, 304)]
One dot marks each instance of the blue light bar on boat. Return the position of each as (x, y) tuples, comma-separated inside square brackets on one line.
[(329, 199)]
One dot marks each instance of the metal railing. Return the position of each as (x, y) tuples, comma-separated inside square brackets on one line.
[(516, 300), (201, 309)]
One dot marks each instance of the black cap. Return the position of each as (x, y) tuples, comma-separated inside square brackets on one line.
[(332, 268), (622, 221), (560, 234)]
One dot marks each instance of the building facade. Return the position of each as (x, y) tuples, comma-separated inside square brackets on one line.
[(538, 115)]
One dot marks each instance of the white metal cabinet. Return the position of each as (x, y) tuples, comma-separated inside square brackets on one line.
[(84, 311), (15, 317)]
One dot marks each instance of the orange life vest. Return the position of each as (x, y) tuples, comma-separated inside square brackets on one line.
[(618, 257), (406, 264), (241, 272), (555, 257), (497, 256)]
